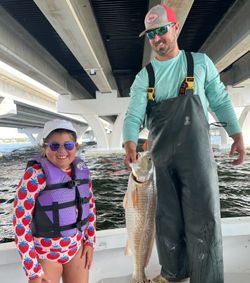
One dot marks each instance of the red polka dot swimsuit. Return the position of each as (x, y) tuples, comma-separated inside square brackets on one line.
[(30, 248)]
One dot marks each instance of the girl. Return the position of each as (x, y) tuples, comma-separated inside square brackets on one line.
[(54, 211)]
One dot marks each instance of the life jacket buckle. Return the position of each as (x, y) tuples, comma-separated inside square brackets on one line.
[(73, 183), (151, 93), (189, 82), (79, 225)]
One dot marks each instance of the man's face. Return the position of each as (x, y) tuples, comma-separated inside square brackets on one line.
[(166, 43)]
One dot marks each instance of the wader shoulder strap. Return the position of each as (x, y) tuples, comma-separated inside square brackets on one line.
[(187, 86), (150, 91), (151, 82)]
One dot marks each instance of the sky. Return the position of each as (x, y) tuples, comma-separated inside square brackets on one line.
[(6, 133)]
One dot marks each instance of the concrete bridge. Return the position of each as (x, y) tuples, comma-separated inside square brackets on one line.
[(86, 55)]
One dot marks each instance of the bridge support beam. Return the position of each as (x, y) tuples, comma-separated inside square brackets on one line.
[(245, 124), (241, 99), (231, 38), (116, 136), (33, 133), (105, 104), (98, 129), (7, 107)]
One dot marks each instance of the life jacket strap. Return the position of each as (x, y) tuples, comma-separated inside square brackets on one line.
[(77, 225), (77, 201), (70, 184), (57, 229)]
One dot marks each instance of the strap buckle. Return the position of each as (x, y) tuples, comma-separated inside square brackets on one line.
[(79, 225), (189, 82), (74, 183), (151, 93)]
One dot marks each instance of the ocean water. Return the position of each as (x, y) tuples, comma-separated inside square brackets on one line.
[(11, 147), (110, 181)]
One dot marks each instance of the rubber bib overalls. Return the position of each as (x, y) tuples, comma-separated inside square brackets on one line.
[(188, 230)]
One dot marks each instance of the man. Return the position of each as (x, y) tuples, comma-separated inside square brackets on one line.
[(188, 229)]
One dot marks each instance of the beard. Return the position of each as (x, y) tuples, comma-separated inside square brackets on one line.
[(167, 47)]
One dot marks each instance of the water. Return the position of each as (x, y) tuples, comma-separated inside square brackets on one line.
[(10, 147), (110, 180)]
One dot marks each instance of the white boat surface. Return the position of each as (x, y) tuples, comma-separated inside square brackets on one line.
[(112, 266)]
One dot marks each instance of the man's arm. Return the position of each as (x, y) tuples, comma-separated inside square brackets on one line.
[(222, 106), (135, 116)]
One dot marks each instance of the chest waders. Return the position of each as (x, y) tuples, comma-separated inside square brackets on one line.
[(188, 229)]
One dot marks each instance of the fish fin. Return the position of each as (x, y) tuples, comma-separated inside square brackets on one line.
[(125, 201), (127, 250), (135, 198)]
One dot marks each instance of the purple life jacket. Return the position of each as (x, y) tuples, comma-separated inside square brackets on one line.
[(62, 207)]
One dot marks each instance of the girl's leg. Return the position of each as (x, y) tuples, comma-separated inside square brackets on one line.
[(52, 269), (74, 271)]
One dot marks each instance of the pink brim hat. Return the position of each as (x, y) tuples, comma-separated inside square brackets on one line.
[(158, 16)]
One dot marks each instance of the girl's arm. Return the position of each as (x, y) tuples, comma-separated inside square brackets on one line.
[(90, 232), (32, 182)]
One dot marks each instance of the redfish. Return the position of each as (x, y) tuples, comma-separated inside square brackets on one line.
[(140, 204)]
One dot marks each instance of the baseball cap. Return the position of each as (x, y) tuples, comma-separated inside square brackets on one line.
[(55, 124), (158, 16)]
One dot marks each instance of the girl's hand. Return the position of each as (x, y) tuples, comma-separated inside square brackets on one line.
[(41, 279), (87, 255)]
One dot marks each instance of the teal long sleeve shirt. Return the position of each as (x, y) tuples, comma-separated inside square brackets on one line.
[(168, 78)]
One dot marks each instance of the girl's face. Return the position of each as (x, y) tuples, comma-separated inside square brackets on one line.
[(62, 157)]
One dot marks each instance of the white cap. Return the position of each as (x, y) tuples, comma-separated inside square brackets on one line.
[(56, 124)]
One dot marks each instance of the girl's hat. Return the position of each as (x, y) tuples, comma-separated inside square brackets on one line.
[(55, 124)]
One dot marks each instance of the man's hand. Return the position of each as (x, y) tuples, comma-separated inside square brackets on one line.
[(238, 146), (130, 153)]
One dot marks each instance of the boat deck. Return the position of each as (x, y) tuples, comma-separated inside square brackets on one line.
[(111, 266)]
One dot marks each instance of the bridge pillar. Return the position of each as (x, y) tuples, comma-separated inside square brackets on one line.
[(30, 133), (80, 129), (222, 132), (241, 98), (105, 104), (98, 129), (116, 136), (35, 134), (7, 107), (245, 124)]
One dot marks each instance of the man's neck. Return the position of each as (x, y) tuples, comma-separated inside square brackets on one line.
[(168, 56)]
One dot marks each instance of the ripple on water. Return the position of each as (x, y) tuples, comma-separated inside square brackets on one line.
[(110, 183)]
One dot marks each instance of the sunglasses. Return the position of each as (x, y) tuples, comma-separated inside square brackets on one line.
[(54, 146), (159, 31)]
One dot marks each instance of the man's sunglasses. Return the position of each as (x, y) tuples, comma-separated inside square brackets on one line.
[(159, 31), (54, 146)]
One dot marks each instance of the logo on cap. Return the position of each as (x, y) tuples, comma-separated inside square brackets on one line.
[(151, 18)]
